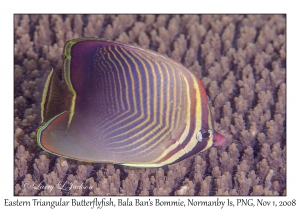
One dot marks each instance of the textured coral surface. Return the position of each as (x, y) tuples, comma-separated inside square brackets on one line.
[(241, 60)]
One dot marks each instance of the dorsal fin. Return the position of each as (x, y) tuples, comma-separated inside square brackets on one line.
[(55, 99)]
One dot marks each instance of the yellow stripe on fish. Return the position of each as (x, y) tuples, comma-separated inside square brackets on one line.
[(124, 105)]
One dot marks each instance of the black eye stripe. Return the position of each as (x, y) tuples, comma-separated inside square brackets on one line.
[(203, 134)]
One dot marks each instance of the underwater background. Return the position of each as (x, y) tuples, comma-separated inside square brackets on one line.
[(241, 61)]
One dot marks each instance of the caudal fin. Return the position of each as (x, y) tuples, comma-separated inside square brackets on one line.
[(55, 99)]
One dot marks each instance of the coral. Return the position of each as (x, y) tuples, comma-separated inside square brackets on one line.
[(61, 167), (21, 159), (241, 61), (51, 182), (41, 167), (187, 188), (130, 184), (108, 182), (28, 186)]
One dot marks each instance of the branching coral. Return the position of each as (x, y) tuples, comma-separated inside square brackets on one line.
[(241, 61)]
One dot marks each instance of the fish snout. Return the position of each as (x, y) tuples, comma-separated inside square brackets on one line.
[(218, 139)]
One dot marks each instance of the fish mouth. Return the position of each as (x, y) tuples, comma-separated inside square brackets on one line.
[(219, 139)]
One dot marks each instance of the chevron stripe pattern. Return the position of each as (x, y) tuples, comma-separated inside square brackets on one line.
[(129, 106)]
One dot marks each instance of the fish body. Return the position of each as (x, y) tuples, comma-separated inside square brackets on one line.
[(124, 105)]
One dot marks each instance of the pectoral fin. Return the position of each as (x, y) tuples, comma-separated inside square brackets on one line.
[(175, 136)]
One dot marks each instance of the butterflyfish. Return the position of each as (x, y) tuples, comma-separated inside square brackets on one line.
[(125, 105)]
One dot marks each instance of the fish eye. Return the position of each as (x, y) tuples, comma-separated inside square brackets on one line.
[(203, 134)]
